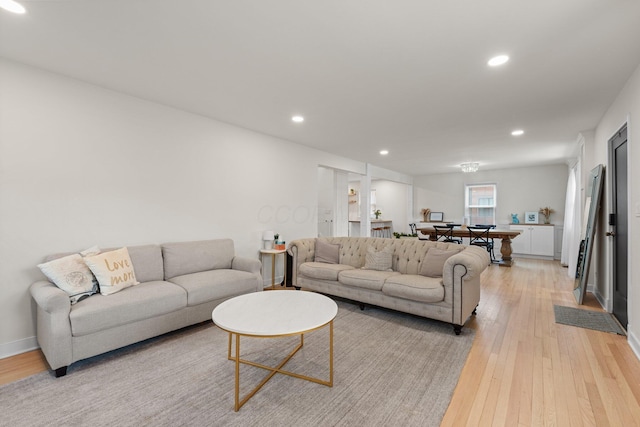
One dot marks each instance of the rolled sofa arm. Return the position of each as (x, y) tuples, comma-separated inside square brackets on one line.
[(246, 264), (50, 298), (475, 260), (249, 265), (52, 323), (461, 280), (301, 251)]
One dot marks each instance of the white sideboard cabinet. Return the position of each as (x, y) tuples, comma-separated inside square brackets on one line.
[(537, 240)]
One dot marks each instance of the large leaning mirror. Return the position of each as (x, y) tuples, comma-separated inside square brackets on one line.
[(591, 211)]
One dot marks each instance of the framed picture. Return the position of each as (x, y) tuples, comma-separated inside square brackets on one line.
[(436, 216), (531, 217)]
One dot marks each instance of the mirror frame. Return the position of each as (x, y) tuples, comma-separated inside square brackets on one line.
[(592, 209)]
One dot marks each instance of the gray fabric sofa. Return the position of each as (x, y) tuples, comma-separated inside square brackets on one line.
[(180, 284), (451, 298)]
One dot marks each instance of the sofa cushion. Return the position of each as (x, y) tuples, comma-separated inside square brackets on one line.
[(323, 271), (113, 269), (414, 287), (140, 302), (327, 252), (368, 279), (147, 262), (211, 285), (193, 257), (379, 260), (433, 262)]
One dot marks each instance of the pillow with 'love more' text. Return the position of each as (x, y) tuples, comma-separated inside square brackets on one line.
[(113, 270)]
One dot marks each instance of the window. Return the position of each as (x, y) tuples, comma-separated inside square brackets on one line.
[(480, 203)]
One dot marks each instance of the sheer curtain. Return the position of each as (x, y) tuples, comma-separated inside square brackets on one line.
[(572, 221)]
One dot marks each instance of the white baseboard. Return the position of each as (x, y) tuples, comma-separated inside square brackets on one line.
[(17, 347), (632, 339), (606, 304), (548, 258)]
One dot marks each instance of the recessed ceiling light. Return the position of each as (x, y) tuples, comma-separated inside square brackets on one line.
[(517, 132), (384, 152), (498, 60), (297, 119), (12, 6)]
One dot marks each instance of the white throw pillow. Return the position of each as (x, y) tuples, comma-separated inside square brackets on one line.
[(113, 270), (72, 275)]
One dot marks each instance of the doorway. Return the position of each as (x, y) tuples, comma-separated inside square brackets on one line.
[(332, 202), (619, 223)]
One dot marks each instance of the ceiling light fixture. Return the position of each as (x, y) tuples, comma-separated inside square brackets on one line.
[(297, 119), (384, 152), (469, 167), (12, 6), (498, 60), (517, 132)]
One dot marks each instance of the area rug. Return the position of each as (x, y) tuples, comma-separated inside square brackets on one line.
[(588, 319), (389, 369)]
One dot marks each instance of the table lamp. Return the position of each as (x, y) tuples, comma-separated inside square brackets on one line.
[(267, 237)]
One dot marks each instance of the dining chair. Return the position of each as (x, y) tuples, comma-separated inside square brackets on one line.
[(479, 236), (412, 226), (444, 233)]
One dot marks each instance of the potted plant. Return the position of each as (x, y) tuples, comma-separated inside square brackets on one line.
[(405, 235), (377, 213), (546, 212)]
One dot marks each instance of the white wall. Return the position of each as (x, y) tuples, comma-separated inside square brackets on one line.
[(83, 166), (392, 201), (518, 191), (341, 224), (625, 109)]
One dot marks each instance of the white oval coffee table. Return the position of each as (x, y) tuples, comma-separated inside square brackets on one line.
[(272, 314)]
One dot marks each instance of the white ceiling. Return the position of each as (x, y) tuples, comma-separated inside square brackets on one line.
[(409, 76)]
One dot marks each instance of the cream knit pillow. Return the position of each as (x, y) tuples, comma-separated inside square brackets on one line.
[(381, 261)]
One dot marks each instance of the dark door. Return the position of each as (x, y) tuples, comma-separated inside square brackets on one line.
[(620, 228)]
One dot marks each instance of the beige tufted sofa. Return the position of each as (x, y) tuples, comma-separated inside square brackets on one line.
[(451, 298)]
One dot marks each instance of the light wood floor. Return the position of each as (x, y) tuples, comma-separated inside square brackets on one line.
[(526, 370), (523, 369)]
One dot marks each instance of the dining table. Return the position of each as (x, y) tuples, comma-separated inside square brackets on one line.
[(505, 235)]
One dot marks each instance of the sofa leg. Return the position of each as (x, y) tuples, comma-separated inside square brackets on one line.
[(457, 329), (361, 305), (297, 288), (61, 372), (475, 311)]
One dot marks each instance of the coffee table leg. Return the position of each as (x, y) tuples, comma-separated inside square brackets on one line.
[(237, 405), (331, 354), (273, 370)]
